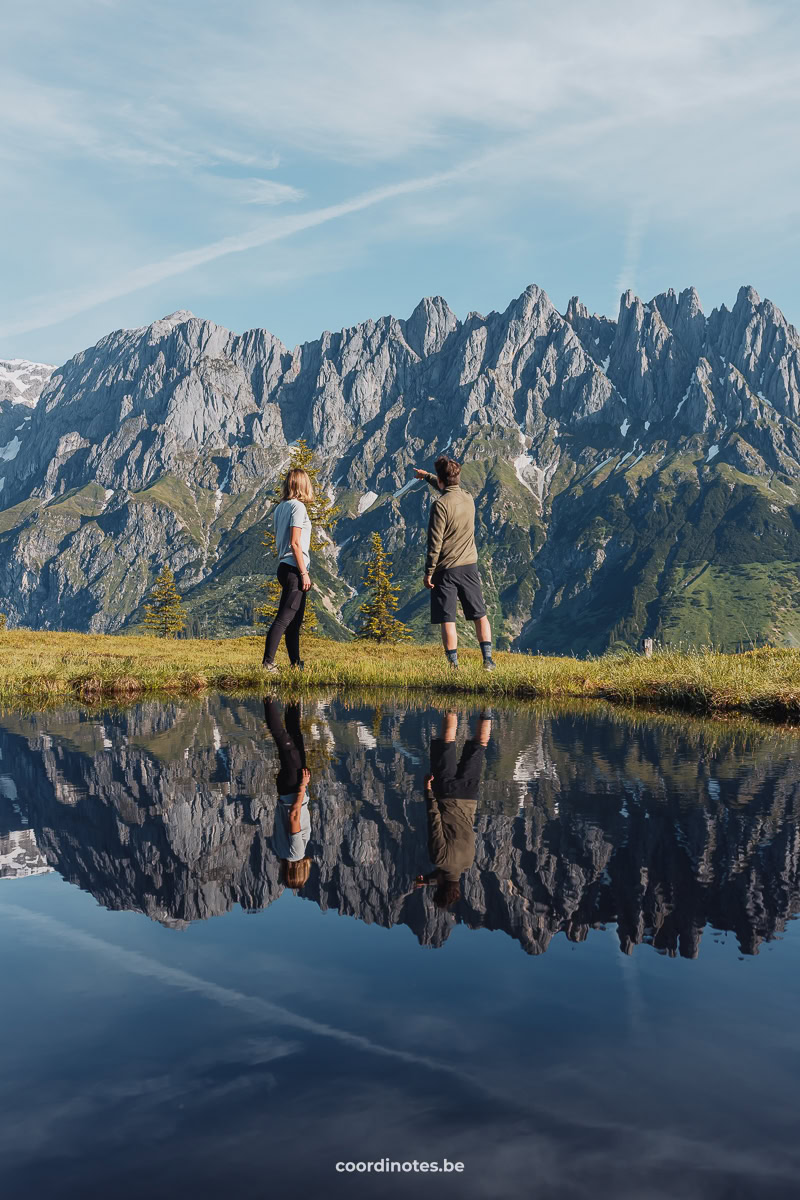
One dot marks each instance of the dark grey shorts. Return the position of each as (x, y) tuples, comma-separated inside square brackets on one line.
[(454, 585)]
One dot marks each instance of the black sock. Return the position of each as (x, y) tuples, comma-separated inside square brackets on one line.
[(452, 656), (486, 650)]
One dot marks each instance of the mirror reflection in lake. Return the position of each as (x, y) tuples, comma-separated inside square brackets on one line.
[(242, 940)]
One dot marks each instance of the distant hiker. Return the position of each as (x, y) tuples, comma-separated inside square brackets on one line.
[(451, 566), (292, 538), (292, 818), (451, 796)]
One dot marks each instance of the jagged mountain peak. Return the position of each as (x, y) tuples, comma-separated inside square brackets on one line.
[(576, 309), (429, 325), (747, 297), (629, 300), (689, 300), (533, 301), (179, 317), (677, 309)]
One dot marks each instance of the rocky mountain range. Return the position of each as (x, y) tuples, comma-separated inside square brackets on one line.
[(662, 829), (633, 477)]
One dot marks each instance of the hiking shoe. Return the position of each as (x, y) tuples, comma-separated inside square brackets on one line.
[(299, 666), (270, 668), (489, 665)]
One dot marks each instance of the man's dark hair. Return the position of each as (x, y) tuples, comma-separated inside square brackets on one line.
[(448, 892), (448, 470)]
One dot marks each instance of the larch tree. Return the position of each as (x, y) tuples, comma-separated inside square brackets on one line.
[(379, 624), (165, 615), (323, 513)]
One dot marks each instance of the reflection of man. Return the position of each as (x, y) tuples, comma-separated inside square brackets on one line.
[(451, 796), (292, 818)]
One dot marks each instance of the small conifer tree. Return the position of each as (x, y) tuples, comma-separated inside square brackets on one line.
[(165, 616), (379, 624), (323, 513)]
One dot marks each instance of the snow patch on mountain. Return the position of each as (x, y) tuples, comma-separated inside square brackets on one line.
[(366, 737), (21, 381), (530, 475), (20, 856), (533, 763), (600, 466)]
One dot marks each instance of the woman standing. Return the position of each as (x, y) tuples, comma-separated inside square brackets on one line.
[(293, 539)]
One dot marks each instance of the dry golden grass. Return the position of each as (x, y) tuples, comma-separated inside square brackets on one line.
[(42, 666)]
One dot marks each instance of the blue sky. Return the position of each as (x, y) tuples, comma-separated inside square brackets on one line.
[(304, 166)]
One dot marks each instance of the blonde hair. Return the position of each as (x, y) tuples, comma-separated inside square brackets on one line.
[(295, 873), (297, 486)]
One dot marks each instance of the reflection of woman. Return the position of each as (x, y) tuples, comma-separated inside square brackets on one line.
[(293, 540), (292, 817), (451, 796)]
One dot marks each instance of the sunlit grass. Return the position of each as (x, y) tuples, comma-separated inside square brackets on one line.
[(42, 665)]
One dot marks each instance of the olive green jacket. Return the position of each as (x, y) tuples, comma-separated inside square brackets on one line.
[(451, 836), (451, 530)]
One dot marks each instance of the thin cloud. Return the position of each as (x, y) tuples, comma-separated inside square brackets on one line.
[(634, 236), (268, 162), (270, 192), (276, 230), (256, 1007)]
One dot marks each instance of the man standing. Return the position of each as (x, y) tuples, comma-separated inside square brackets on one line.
[(451, 566)]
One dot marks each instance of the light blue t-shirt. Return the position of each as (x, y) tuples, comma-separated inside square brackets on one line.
[(292, 514), (287, 845)]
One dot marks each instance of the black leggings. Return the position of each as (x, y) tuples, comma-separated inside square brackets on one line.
[(289, 740), (289, 617)]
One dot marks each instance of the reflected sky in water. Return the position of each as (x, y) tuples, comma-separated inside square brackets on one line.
[(241, 942)]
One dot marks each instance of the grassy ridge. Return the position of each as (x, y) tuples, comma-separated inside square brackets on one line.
[(37, 667)]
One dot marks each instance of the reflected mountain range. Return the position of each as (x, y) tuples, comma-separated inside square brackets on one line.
[(583, 819)]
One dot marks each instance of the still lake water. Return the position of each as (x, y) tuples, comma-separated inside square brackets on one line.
[(595, 995)]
